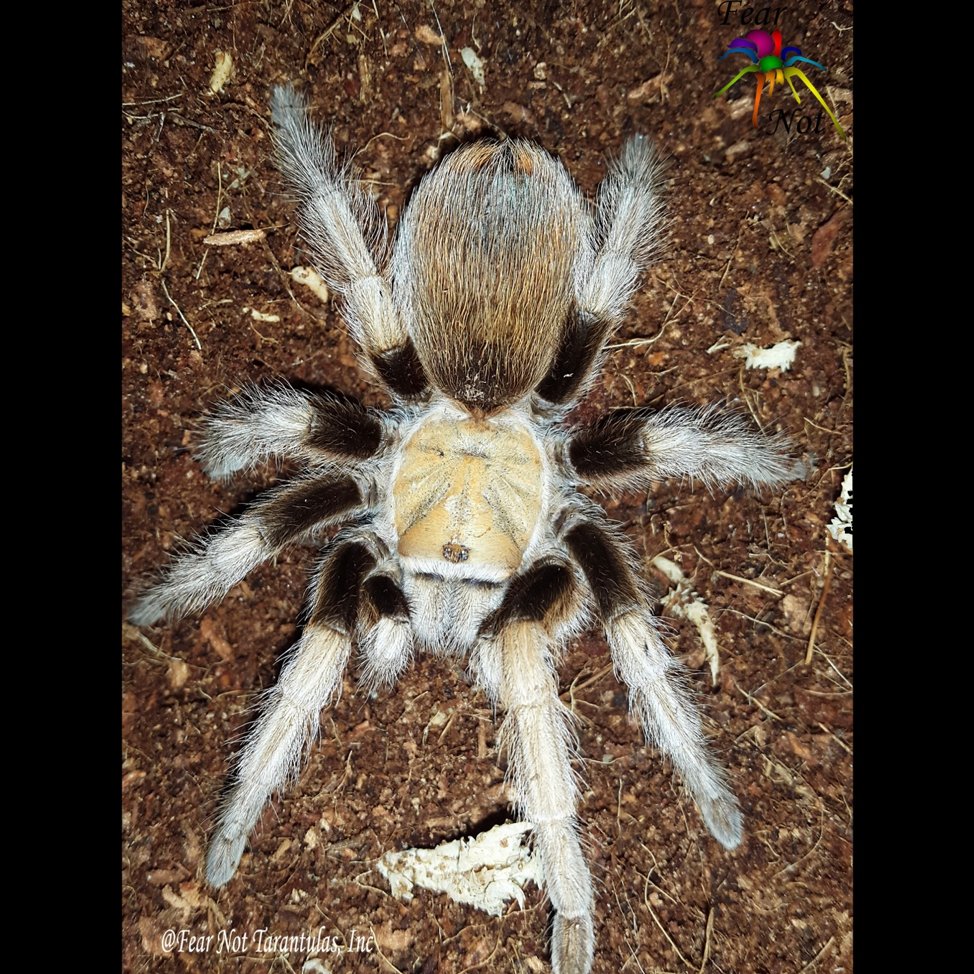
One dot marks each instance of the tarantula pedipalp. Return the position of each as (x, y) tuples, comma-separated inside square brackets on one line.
[(464, 531)]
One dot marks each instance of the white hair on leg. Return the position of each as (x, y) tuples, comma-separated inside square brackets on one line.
[(323, 431), (216, 562), (632, 449), (716, 446), (630, 214), (540, 744), (339, 220), (387, 648), (203, 575), (670, 720), (289, 722), (257, 423)]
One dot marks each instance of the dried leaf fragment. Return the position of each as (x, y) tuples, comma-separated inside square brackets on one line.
[(426, 35), (312, 280), (221, 73), (684, 603)]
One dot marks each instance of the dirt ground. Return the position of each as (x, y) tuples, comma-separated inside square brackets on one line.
[(760, 251)]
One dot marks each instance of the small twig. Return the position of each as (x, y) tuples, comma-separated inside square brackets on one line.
[(638, 342), (446, 727), (761, 622), (130, 632), (179, 120), (822, 428), (321, 38), (821, 604), (746, 398), (378, 950), (153, 101), (792, 866), (706, 939), (730, 260), (381, 135), (757, 703), (632, 388), (750, 581), (656, 920), (782, 247), (216, 216), (181, 315), (835, 737), (816, 958), (838, 192), (443, 46), (836, 670), (165, 259), (481, 963), (575, 687)]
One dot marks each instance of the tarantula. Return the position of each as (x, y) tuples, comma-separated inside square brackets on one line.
[(463, 528)]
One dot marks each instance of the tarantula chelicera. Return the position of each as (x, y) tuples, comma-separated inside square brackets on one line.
[(463, 528)]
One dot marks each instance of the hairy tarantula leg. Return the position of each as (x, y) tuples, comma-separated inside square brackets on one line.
[(202, 576), (515, 664), (540, 743), (384, 628), (658, 693), (282, 421), (630, 216), (627, 235), (348, 238), (310, 680), (632, 448)]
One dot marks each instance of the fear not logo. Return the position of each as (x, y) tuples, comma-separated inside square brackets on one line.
[(770, 63)]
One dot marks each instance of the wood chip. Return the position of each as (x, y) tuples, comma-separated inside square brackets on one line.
[(426, 35), (221, 73), (233, 238)]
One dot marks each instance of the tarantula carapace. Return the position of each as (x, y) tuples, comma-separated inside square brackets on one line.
[(464, 531)]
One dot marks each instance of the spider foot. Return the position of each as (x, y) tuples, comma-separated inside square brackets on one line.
[(223, 856), (723, 818)]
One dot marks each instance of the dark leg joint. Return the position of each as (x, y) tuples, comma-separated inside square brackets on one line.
[(581, 342), (344, 429), (606, 568), (401, 370), (535, 596), (385, 597), (337, 598), (611, 446), (297, 509)]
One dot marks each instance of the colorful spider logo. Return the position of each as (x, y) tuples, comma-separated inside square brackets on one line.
[(771, 64)]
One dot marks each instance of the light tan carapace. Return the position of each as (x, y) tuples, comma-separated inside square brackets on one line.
[(468, 492)]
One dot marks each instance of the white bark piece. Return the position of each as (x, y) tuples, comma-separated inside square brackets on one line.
[(780, 356), (312, 280), (486, 871), (840, 527)]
